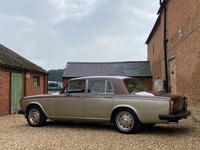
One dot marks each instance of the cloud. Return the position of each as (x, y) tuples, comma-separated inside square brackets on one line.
[(54, 32), (75, 10), (21, 19)]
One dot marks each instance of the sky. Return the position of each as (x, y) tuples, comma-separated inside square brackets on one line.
[(51, 33)]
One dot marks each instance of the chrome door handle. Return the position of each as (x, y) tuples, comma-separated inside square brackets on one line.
[(81, 96), (108, 96)]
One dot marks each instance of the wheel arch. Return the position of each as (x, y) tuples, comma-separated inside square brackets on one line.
[(35, 104), (116, 109)]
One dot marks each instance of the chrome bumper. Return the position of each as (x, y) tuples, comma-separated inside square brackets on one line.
[(175, 117)]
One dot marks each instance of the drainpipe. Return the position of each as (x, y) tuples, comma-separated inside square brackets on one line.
[(162, 4)]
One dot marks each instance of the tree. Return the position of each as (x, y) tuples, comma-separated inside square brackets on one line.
[(55, 75)]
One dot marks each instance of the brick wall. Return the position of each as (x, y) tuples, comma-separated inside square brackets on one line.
[(184, 53), (148, 83), (65, 80), (30, 88), (5, 92), (155, 51)]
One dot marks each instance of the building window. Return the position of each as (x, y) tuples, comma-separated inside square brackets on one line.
[(36, 81)]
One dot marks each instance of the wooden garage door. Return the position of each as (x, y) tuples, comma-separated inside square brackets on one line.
[(16, 91)]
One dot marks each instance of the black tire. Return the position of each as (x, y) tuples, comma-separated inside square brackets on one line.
[(35, 116), (126, 121)]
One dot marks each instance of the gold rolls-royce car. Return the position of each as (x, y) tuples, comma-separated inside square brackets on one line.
[(123, 101)]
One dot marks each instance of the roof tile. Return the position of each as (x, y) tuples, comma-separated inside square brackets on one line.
[(126, 68), (10, 59)]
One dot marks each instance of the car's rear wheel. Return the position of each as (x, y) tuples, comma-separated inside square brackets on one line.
[(126, 121), (35, 116)]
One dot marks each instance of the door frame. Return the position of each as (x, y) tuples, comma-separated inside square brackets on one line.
[(20, 85)]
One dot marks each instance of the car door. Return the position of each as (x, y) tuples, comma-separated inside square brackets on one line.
[(99, 99), (71, 103)]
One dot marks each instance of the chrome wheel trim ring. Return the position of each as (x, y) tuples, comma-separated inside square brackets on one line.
[(34, 116), (125, 121)]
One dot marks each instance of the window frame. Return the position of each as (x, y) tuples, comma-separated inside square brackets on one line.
[(105, 86), (68, 90), (36, 81)]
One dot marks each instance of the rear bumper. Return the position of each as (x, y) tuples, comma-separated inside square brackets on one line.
[(175, 117)]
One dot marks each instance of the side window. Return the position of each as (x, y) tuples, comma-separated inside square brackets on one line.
[(76, 86), (109, 88), (100, 86), (96, 86)]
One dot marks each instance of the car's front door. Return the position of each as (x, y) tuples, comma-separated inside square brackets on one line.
[(99, 99), (71, 103)]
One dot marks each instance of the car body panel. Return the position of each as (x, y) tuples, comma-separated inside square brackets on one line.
[(145, 108), (98, 106), (70, 105), (78, 101)]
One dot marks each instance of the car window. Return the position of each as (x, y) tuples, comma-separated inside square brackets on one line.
[(109, 88), (76, 86), (134, 85), (99, 86)]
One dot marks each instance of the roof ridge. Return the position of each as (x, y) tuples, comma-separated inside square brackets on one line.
[(114, 62), (14, 60)]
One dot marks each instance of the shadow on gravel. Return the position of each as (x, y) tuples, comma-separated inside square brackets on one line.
[(80, 125), (165, 130), (157, 129)]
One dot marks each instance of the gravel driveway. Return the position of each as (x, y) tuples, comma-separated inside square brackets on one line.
[(16, 134)]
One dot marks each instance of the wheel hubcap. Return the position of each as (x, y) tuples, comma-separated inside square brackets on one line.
[(125, 121), (34, 116)]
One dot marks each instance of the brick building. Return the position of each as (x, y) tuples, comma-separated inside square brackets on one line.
[(137, 69), (183, 47), (18, 77)]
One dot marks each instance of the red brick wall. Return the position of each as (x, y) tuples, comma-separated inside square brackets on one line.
[(30, 89), (5, 92), (184, 15), (148, 83), (65, 80), (155, 52), (27, 88), (178, 14)]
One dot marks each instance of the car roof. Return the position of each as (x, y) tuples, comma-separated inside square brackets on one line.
[(117, 82), (101, 77)]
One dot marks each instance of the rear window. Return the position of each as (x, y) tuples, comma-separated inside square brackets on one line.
[(134, 85)]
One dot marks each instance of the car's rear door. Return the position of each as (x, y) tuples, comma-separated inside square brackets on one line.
[(99, 99)]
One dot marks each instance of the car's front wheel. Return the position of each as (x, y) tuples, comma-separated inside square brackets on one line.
[(126, 121), (35, 116)]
